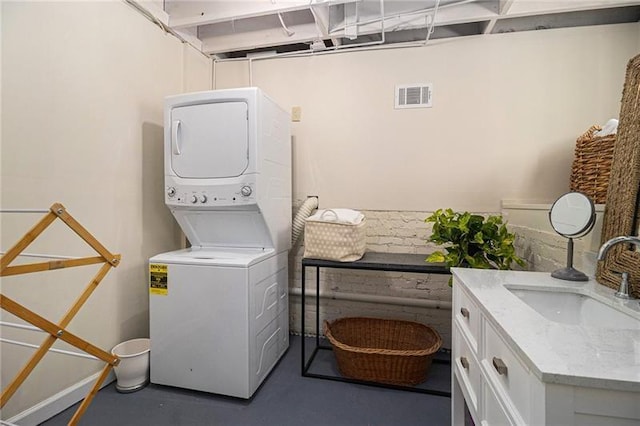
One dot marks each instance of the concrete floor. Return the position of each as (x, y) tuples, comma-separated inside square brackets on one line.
[(285, 398)]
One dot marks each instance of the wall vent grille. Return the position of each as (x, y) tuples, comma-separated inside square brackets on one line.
[(417, 95)]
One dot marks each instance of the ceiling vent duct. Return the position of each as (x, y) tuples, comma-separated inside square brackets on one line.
[(417, 95)]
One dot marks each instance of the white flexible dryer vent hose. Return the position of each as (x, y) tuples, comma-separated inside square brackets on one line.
[(305, 210)]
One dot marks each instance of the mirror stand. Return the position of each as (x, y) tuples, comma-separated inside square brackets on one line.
[(572, 216), (569, 273)]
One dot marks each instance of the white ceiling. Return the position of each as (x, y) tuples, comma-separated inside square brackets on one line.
[(228, 28)]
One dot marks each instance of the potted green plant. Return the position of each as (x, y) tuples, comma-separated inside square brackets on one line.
[(472, 241)]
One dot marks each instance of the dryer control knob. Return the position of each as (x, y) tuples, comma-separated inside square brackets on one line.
[(246, 190), (171, 191), (194, 199), (203, 198)]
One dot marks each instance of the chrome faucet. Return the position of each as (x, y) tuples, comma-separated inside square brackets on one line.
[(623, 291)]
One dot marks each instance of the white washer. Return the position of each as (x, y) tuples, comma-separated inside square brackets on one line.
[(223, 322), (219, 318)]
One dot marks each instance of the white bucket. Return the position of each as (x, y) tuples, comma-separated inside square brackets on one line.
[(132, 373)]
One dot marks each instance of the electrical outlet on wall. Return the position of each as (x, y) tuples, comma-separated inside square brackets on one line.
[(296, 113)]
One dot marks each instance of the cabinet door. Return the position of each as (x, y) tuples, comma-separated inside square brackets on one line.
[(467, 314), (507, 373), (466, 367), (493, 413), (461, 413)]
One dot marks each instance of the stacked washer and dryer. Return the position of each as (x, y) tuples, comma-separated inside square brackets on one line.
[(219, 317)]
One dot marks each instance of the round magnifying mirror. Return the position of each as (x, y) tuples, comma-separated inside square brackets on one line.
[(572, 215)]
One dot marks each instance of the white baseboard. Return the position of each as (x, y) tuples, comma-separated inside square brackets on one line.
[(59, 402)]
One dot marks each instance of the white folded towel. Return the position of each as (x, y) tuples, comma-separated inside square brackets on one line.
[(347, 216), (609, 128)]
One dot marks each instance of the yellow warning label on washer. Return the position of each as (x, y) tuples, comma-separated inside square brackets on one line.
[(158, 283)]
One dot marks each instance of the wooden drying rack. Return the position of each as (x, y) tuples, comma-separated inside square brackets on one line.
[(57, 331)]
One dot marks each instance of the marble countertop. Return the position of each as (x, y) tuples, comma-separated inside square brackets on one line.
[(575, 355)]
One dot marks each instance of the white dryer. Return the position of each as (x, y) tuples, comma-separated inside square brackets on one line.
[(219, 310)]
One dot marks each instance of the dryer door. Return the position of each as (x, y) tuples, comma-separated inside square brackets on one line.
[(209, 140)]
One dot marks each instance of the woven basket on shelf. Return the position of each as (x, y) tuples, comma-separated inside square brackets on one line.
[(385, 351), (592, 164)]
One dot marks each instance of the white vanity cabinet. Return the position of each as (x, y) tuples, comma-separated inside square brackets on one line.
[(495, 377), (492, 395)]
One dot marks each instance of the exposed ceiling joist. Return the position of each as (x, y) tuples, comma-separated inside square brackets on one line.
[(228, 27), (453, 14), (184, 14), (259, 38), (540, 7), (503, 9), (322, 20)]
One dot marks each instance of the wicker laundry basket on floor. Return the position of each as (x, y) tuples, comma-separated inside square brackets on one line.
[(385, 351)]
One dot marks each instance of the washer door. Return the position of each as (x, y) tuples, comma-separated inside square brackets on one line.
[(210, 140)]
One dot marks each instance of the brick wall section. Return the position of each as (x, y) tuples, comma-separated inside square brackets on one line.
[(546, 252)]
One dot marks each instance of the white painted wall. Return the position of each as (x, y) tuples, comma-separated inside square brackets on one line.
[(507, 110), (82, 96)]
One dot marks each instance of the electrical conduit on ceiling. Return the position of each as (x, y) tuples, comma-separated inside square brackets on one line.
[(374, 45), (357, 47), (424, 11), (332, 49)]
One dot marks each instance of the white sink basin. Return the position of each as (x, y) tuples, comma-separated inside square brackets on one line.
[(573, 308)]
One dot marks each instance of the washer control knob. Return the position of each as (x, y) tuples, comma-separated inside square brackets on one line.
[(194, 199), (246, 190), (171, 191), (203, 198)]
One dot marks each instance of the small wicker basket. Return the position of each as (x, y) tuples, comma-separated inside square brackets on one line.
[(592, 164), (384, 351)]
